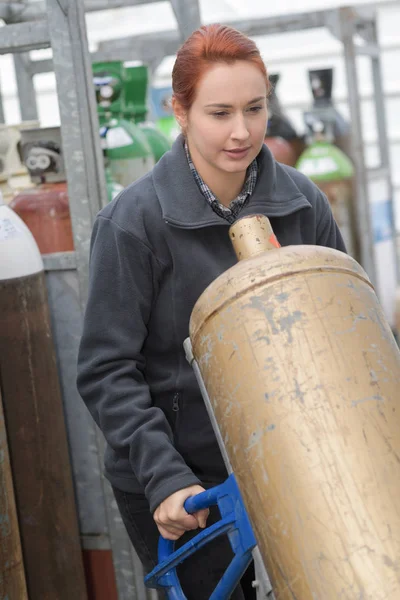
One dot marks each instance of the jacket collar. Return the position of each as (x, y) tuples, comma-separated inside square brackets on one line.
[(183, 205)]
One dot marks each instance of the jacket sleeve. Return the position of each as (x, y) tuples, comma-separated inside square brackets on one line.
[(111, 366), (328, 233)]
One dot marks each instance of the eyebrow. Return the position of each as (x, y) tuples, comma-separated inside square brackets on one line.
[(220, 105)]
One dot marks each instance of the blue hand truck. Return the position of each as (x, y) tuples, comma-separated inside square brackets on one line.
[(234, 523)]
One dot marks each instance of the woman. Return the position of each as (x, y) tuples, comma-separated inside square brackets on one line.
[(154, 250)]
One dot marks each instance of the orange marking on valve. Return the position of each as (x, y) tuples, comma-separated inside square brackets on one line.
[(272, 240)]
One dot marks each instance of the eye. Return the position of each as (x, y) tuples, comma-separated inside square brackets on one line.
[(255, 109), (220, 114)]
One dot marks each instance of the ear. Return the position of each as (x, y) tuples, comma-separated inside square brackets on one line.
[(180, 113)]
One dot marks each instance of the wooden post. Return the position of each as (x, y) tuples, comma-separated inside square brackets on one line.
[(34, 417), (12, 576)]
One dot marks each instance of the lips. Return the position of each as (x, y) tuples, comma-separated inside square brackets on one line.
[(237, 152)]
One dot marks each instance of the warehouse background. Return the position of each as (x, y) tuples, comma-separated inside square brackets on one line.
[(113, 571), (290, 54)]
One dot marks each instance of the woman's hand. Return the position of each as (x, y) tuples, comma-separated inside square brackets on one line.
[(172, 519)]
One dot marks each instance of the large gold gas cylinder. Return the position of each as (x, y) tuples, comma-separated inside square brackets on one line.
[(397, 315), (303, 375)]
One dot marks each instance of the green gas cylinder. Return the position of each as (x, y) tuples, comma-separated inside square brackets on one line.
[(322, 161), (108, 84), (136, 85), (158, 142), (125, 147), (169, 127), (127, 151), (332, 170), (113, 188), (161, 110)]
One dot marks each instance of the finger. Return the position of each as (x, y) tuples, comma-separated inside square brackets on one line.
[(170, 534), (201, 517), (180, 520), (189, 522), (171, 526)]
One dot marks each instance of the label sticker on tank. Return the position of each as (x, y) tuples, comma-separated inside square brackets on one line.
[(9, 230)]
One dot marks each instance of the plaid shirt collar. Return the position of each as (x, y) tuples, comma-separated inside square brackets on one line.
[(229, 213)]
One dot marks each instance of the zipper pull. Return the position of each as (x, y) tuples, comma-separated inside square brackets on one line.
[(175, 402)]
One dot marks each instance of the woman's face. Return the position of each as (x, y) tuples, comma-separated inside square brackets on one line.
[(226, 124)]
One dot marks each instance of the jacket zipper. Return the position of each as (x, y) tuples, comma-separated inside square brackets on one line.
[(175, 409), (175, 402)]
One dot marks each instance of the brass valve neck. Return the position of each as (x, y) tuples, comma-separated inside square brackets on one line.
[(252, 235)]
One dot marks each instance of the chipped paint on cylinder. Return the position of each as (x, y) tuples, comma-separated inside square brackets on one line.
[(304, 385)]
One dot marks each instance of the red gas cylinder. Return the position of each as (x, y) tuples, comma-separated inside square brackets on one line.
[(45, 211), (282, 151)]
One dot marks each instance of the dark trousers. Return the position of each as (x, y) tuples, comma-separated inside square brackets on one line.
[(200, 573)]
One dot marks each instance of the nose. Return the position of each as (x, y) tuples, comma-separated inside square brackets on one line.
[(240, 131)]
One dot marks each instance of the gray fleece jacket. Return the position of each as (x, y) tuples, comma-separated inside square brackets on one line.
[(154, 250)]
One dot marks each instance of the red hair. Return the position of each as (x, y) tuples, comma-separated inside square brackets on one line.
[(208, 45)]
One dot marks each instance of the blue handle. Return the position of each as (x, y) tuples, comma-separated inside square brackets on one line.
[(234, 522), (204, 499), (199, 502)]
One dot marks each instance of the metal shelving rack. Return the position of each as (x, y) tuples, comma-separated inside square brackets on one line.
[(60, 24)]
